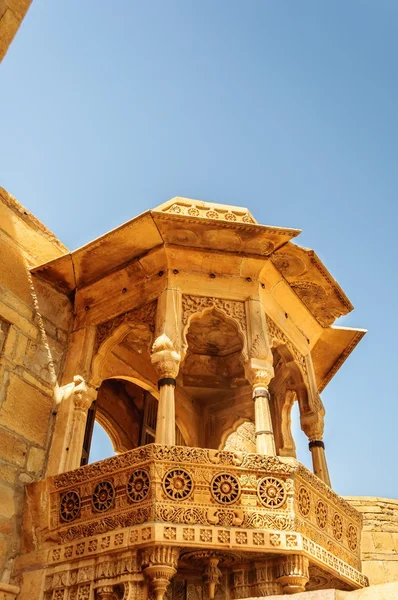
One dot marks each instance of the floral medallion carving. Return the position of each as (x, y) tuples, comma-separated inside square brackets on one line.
[(69, 506), (337, 526), (304, 501), (103, 496), (193, 211), (321, 513), (352, 537), (271, 492), (278, 496), (178, 484), (138, 485), (225, 488)]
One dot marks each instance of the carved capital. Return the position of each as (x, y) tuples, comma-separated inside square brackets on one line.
[(160, 565), (165, 358), (160, 555), (259, 372), (160, 577), (82, 394), (105, 592), (292, 573), (313, 425)]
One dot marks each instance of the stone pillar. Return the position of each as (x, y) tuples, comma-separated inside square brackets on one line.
[(292, 573), (320, 467), (159, 564), (78, 360), (167, 362), (312, 425), (82, 398), (260, 373), (212, 575)]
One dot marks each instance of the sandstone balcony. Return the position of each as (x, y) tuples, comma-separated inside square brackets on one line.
[(256, 514)]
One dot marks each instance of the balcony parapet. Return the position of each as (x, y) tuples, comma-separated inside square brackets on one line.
[(242, 505)]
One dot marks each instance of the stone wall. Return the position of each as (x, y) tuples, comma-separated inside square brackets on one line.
[(12, 13), (34, 325), (387, 591), (379, 537)]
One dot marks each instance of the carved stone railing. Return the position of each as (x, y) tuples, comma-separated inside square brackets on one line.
[(241, 504)]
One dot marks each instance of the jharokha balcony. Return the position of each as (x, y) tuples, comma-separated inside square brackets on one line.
[(195, 332), (240, 522)]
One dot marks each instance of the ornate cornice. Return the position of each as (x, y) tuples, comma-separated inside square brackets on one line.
[(341, 359)]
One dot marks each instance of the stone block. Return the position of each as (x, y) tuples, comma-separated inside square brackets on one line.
[(375, 571), (10, 342), (4, 547), (21, 306), (35, 460), (13, 269), (55, 308), (13, 450), (26, 411), (383, 542), (8, 27), (32, 584), (7, 502), (386, 591), (20, 347), (367, 543), (13, 316), (43, 360), (3, 7), (7, 473), (19, 7), (6, 527)]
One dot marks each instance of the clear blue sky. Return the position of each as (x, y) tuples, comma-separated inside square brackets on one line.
[(288, 107)]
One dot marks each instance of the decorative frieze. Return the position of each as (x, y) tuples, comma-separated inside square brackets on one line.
[(200, 497), (197, 304), (145, 314)]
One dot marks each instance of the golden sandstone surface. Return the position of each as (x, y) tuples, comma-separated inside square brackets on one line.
[(48, 337), (194, 327)]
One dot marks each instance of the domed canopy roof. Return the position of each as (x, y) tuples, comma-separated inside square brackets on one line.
[(227, 239)]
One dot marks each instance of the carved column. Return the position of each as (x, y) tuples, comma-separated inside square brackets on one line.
[(292, 573), (159, 564), (166, 359), (259, 371), (212, 575), (74, 400), (76, 373), (82, 398), (167, 362), (312, 425)]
